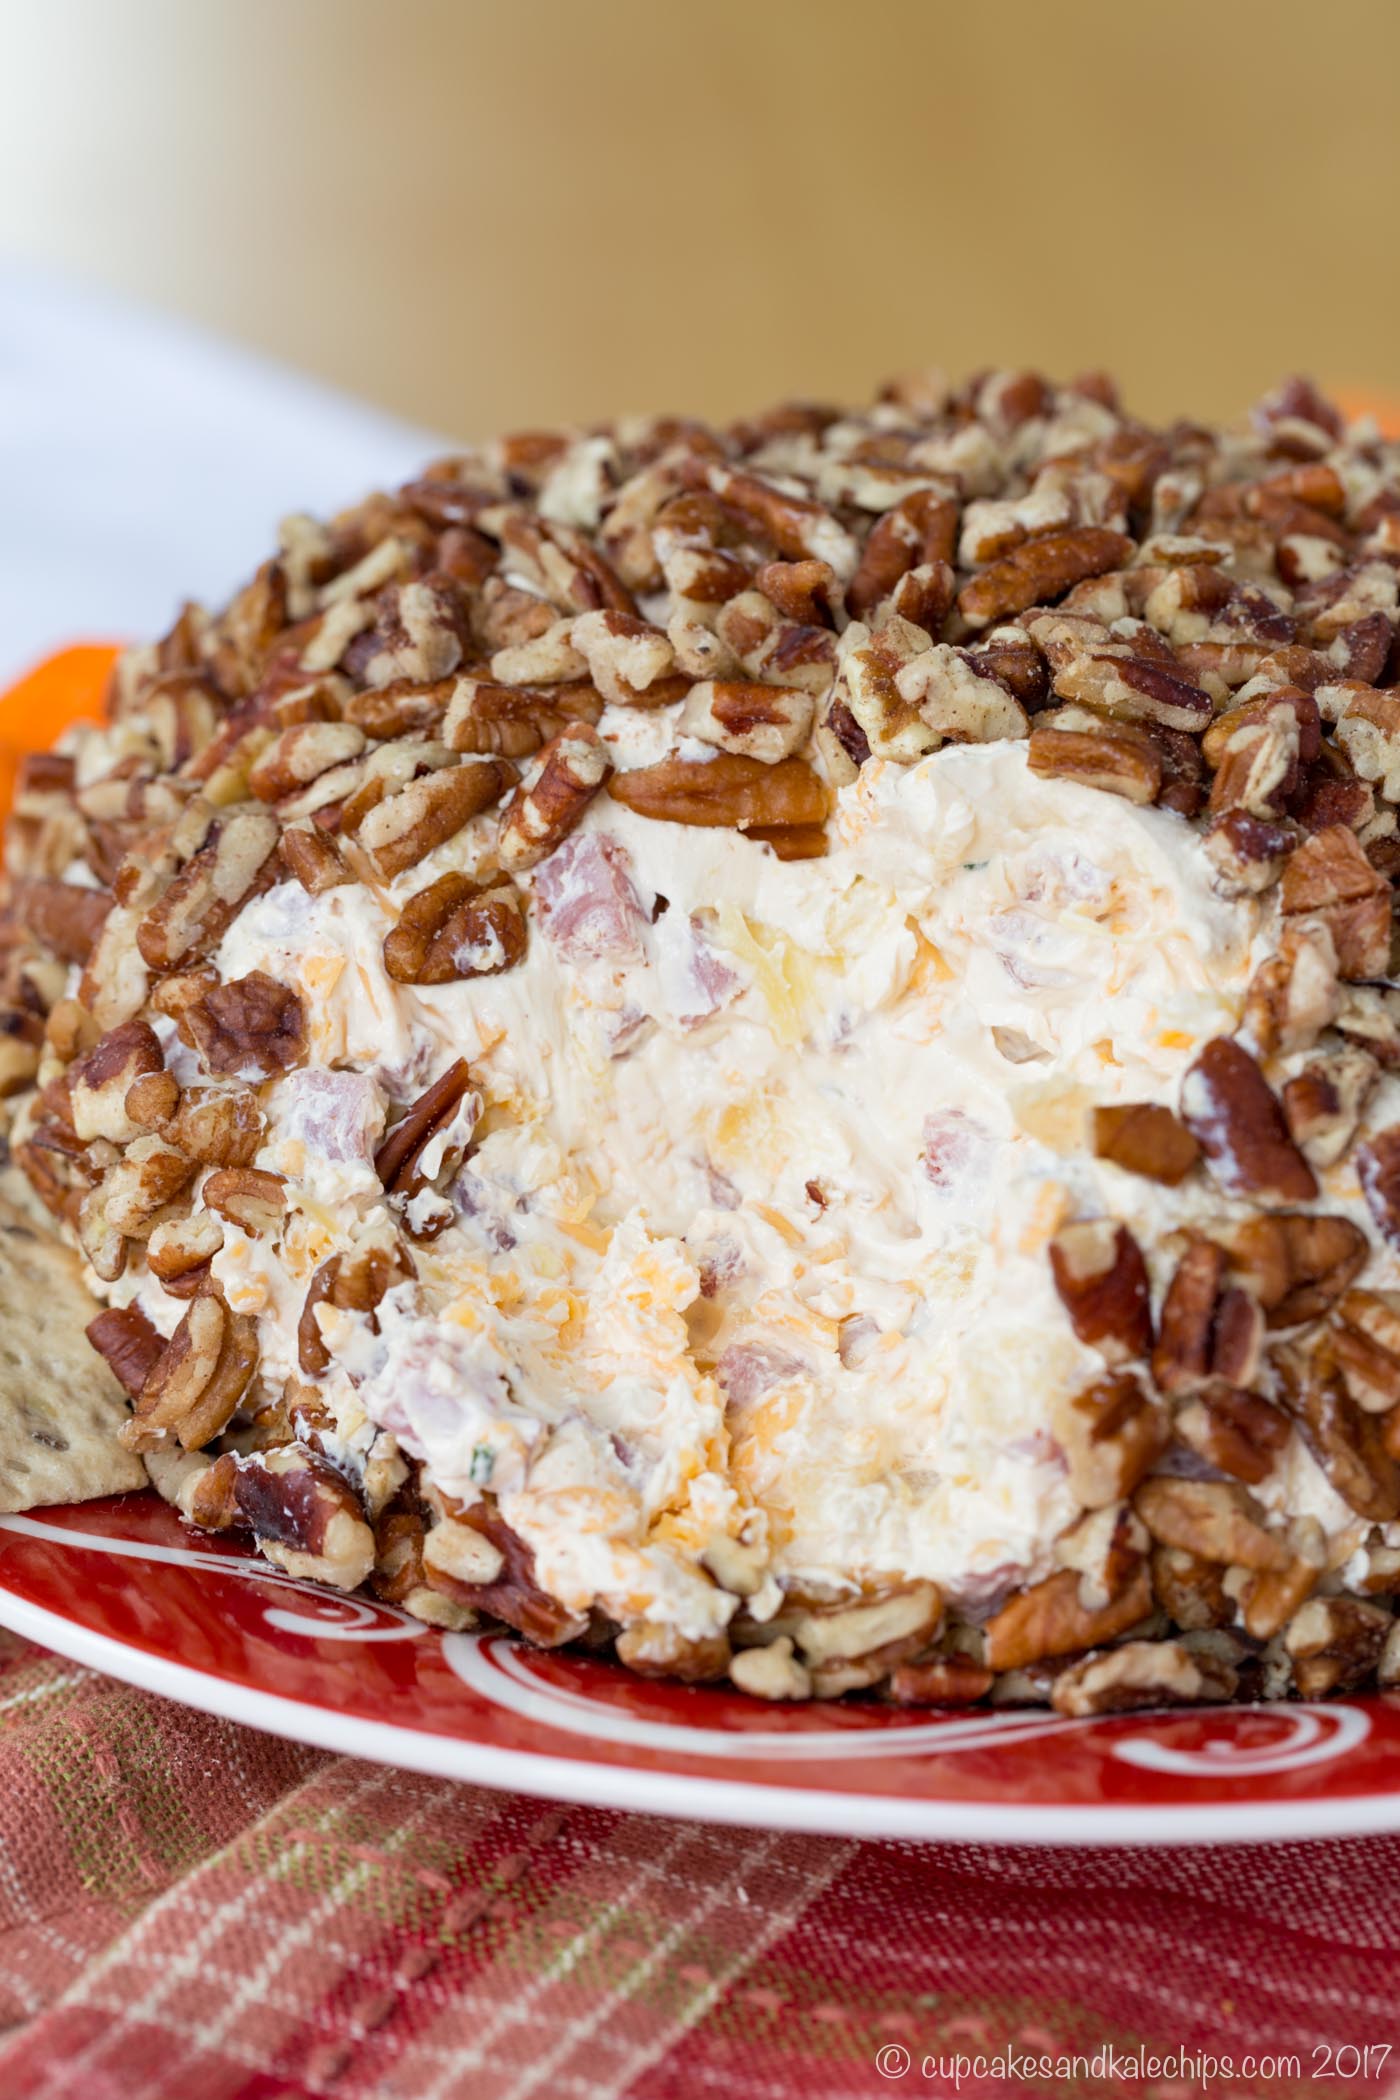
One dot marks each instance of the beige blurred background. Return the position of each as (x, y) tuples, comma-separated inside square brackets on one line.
[(484, 215)]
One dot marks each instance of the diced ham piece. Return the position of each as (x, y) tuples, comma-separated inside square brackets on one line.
[(748, 1369), (337, 1115), (588, 906), (957, 1151)]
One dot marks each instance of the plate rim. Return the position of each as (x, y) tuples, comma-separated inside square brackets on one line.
[(691, 1798)]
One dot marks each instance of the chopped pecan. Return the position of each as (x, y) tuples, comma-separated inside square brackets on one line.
[(250, 1028), (1365, 1343), (1368, 730), (1267, 1599), (399, 1160), (516, 1595), (947, 1680), (179, 1251), (1145, 1138), (1209, 1330), (247, 1196), (1111, 1434), (1118, 760), (630, 662), (1237, 1432), (301, 754), (1335, 1644), (512, 721), (100, 1082), (768, 722), (958, 700), (1378, 1170), (1041, 570), (198, 1380), (654, 1649), (1322, 1103), (457, 928), (1142, 1673), (126, 1339), (539, 817), (1346, 1441), (303, 1514), (1295, 1264), (1216, 1520), (218, 1126), (1329, 877), (921, 529), (728, 792), (1190, 1590), (870, 660), (314, 860), (354, 1282), (63, 917), (1231, 1111), (199, 905), (402, 828), (21, 1037), (1049, 1619), (1102, 1281), (419, 633), (1295, 994)]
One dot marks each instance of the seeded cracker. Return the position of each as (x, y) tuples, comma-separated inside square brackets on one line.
[(60, 1407)]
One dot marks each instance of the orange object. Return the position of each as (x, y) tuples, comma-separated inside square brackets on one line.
[(64, 689), (1355, 401)]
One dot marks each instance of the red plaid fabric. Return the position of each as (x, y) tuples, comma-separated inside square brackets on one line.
[(189, 1908)]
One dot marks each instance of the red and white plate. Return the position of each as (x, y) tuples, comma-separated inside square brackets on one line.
[(125, 1586)]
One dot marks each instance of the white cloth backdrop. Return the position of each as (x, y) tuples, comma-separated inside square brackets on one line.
[(142, 462)]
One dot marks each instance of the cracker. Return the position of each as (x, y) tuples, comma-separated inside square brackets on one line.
[(60, 1406)]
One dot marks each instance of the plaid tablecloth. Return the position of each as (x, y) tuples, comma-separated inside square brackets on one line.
[(188, 1908)]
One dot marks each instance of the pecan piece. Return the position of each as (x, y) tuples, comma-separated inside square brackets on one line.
[(1329, 877), (1295, 994), (457, 928), (1322, 1104), (948, 1680), (1117, 760), (249, 1197), (1216, 1520), (1208, 1330), (1365, 1342), (100, 1082), (1142, 1673), (402, 828), (250, 1028), (1248, 853), (1041, 570), (1346, 1441), (1237, 1432), (771, 1672), (130, 1344), (399, 1160), (538, 818), (728, 792), (353, 1282), (1111, 1433), (1335, 1643), (301, 754), (199, 905), (179, 1251), (314, 860), (303, 1515), (198, 1380), (768, 722), (918, 531), (1102, 1281), (1190, 1590), (1049, 1619), (515, 1594), (651, 1649), (1231, 1111), (1378, 1171), (1296, 1265), (63, 917), (1144, 1138)]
